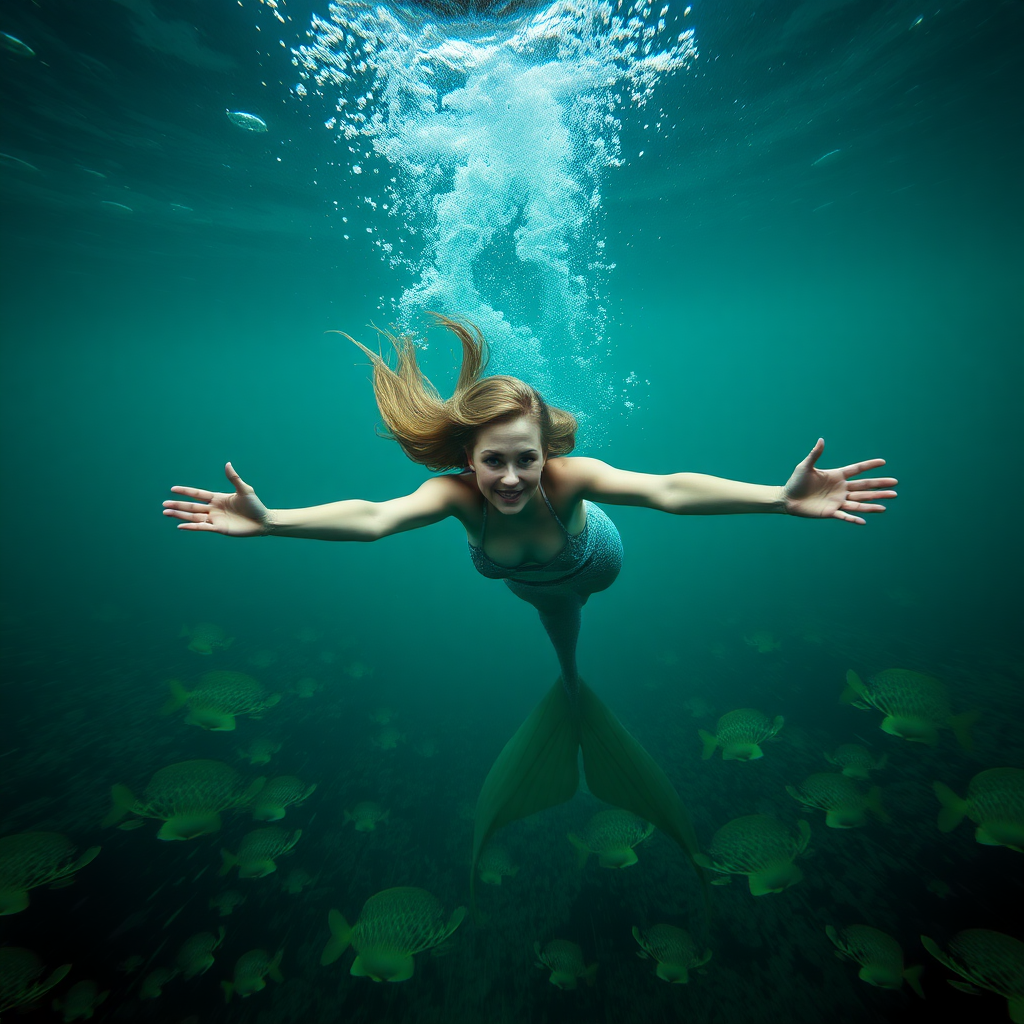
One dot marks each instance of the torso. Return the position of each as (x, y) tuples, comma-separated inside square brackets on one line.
[(514, 541)]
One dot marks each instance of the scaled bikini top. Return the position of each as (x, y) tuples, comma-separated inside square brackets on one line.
[(570, 559)]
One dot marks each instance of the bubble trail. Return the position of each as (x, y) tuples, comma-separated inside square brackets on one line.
[(493, 125)]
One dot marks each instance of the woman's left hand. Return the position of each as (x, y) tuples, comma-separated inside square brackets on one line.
[(830, 493)]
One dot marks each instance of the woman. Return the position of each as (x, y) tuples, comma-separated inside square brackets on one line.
[(526, 506)]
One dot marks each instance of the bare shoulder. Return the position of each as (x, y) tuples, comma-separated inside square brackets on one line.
[(570, 476), (461, 494), (435, 499), (581, 478)]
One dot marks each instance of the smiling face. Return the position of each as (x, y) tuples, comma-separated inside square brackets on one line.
[(507, 459)]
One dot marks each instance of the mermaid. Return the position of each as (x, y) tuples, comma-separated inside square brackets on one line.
[(530, 514)]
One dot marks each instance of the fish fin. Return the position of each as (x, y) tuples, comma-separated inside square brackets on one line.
[(854, 688), (535, 770), (274, 970), (13, 901), (228, 990), (123, 801), (710, 742), (953, 807), (86, 858), (620, 772), (965, 986), (912, 977), (582, 851), (178, 699), (962, 726), (804, 831), (341, 936), (228, 861)]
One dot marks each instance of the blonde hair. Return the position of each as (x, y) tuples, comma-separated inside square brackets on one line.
[(436, 432)]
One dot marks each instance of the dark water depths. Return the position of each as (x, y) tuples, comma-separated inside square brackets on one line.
[(821, 238)]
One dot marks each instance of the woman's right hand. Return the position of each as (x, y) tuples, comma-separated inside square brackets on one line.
[(241, 514)]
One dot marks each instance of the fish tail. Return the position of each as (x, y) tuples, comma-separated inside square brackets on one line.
[(962, 726), (710, 742), (123, 801), (953, 808), (178, 699)]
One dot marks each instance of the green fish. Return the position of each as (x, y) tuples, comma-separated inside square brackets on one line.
[(988, 960), (674, 950), (206, 637), (218, 698), (612, 835), (196, 953), (879, 954), (856, 761), (258, 851), (739, 734), (394, 926), (916, 706), (995, 803), (31, 859), (81, 1000), (564, 959), (188, 797), (845, 806), (760, 847), (20, 971), (279, 794), (250, 970)]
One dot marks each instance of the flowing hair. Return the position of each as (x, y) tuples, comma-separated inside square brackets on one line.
[(436, 432)]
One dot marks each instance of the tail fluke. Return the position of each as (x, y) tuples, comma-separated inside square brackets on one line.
[(620, 772), (535, 770)]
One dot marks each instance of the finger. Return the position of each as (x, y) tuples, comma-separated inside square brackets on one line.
[(186, 506), (815, 452), (204, 527), (194, 492), (241, 487), (846, 517), (872, 495), (192, 517), (857, 506), (859, 467), (878, 481)]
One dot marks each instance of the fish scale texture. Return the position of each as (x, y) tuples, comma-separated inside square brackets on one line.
[(899, 691), (190, 786), (405, 919), (991, 959), (34, 858), (614, 830), (670, 945), (749, 844)]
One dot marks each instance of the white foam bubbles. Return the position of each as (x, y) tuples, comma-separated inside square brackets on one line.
[(497, 133)]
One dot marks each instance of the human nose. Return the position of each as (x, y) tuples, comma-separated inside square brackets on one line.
[(510, 476)]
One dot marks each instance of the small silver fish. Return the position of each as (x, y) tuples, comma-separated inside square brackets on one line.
[(250, 122)]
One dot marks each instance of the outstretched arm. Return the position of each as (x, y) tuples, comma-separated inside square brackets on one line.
[(242, 514), (810, 492)]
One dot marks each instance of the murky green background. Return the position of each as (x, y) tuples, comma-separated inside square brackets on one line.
[(760, 298)]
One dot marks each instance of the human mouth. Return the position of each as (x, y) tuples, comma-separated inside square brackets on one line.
[(509, 497)]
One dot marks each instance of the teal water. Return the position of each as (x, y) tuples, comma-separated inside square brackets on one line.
[(821, 238)]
